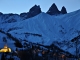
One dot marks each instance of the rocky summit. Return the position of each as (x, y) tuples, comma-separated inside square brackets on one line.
[(63, 10)]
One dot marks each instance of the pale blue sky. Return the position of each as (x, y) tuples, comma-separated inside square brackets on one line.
[(19, 6)]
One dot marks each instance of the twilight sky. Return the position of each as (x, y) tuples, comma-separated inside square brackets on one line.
[(19, 6)]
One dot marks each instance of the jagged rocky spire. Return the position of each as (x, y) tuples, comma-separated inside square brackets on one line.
[(35, 10), (53, 10), (63, 10)]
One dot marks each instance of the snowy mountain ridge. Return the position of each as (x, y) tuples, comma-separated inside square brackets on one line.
[(43, 29)]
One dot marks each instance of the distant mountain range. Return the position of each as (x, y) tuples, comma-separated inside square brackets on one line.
[(35, 10)]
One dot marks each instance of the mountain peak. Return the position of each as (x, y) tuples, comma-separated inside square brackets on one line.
[(63, 10), (35, 10), (53, 10)]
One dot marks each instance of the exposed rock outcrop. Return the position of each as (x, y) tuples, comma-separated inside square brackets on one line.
[(35, 10), (53, 10), (63, 10)]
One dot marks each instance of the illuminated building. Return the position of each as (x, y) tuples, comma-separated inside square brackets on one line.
[(5, 49)]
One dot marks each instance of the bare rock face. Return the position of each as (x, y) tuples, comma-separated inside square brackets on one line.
[(63, 10), (23, 14), (35, 10), (53, 10)]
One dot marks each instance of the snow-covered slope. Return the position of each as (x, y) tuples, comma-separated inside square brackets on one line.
[(46, 29)]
